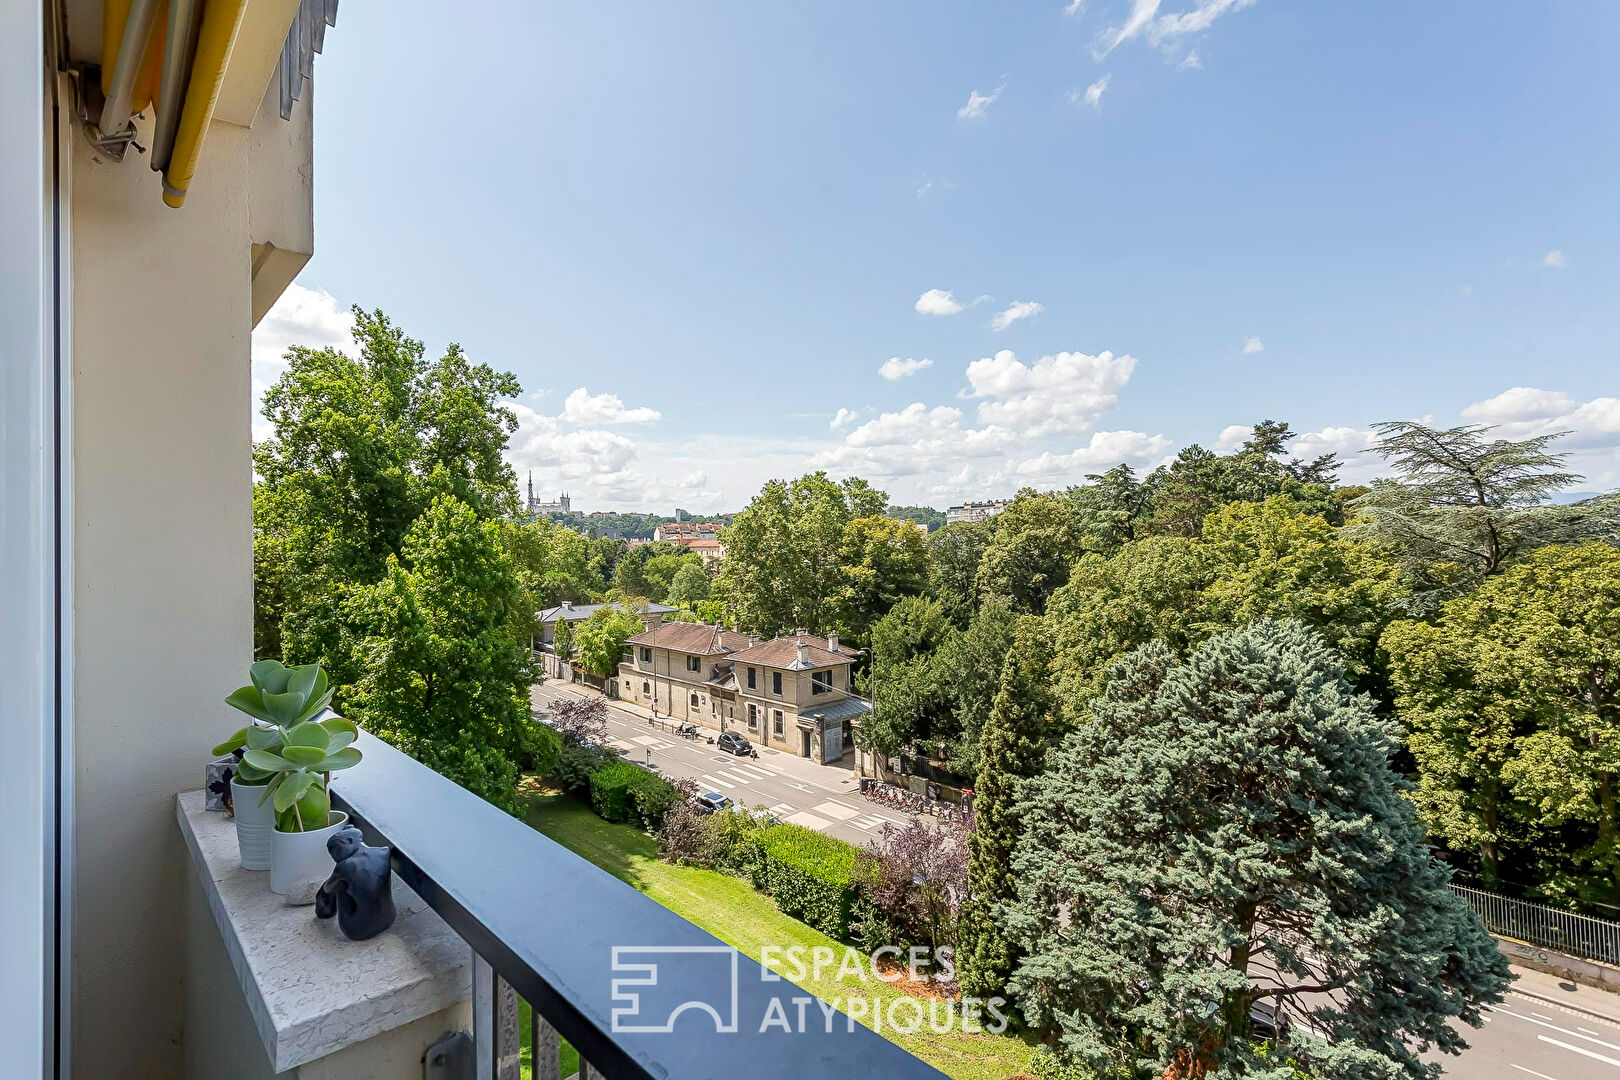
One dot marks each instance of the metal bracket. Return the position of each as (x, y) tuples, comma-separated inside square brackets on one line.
[(451, 1058)]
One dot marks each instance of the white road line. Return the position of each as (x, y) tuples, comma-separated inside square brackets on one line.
[(1584, 1053), (716, 783), (1567, 1031), (1533, 1072), (743, 780), (1586, 1031), (755, 771)]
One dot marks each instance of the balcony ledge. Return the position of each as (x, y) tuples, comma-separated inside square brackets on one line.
[(311, 991)]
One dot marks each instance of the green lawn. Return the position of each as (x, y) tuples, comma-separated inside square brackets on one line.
[(731, 910)]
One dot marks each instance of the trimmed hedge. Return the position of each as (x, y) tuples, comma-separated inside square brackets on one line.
[(621, 791), (809, 875)]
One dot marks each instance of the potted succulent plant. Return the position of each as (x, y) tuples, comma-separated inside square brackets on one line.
[(277, 699), (300, 771)]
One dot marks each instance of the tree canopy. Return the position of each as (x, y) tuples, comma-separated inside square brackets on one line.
[(1187, 860)]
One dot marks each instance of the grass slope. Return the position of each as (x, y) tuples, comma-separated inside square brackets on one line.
[(734, 912)]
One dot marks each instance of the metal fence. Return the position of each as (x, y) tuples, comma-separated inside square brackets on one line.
[(1549, 927)]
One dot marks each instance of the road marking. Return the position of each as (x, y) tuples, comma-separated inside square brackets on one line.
[(836, 810), (717, 783), (1566, 1031), (1585, 1053), (647, 740), (743, 780), (755, 771), (808, 820), (783, 808), (1533, 1072)]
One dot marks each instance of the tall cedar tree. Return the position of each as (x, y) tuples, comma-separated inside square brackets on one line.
[(1012, 748), (1227, 836)]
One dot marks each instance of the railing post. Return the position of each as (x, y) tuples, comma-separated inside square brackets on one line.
[(543, 1048), (497, 1038)]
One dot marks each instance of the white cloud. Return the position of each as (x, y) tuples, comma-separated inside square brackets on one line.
[(1232, 436), (1355, 467), (924, 188), (1074, 7), (1253, 345), (539, 444), (1554, 259), (916, 440), (895, 368), (1062, 393), (1105, 450), (1190, 62), (843, 418), (1164, 31), (583, 407), (1091, 95), (937, 302), (977, 103), (696, 479), (1519, 403), (309, 317), (1018, 309)]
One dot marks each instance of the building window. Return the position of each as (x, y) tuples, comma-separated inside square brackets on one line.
[(646, 655), (694, 701), (776, 722), (645, 689), (694, 663), (753, 716), (751, 683), (820, 682), (776, 683)]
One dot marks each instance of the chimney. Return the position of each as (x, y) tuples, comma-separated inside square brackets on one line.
[(804, 654), (753, 639), (568, 605), (832, 641)]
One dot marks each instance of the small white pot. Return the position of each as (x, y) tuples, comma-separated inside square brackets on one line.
[(255, 821), (296, 857)]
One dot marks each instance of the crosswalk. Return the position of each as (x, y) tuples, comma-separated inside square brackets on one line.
[(738, 775)]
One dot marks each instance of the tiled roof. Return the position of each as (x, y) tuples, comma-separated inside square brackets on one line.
[(783, 652), (688, 637), (576, 612)]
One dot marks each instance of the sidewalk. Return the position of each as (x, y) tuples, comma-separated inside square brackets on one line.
[(1556, 990)]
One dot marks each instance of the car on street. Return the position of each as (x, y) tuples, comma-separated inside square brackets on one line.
[(733, 742), (712, 802)]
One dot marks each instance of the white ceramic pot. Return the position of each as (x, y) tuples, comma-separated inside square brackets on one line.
[(255, 821), (296, 857)]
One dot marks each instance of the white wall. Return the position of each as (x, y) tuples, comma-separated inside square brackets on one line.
[(162, 545)]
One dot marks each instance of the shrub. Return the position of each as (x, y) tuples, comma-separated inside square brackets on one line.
[(734, 843), (684, 837), (611, 790), (482, 770), (653, 797), (576, 764), (538, 748), (809, 875)]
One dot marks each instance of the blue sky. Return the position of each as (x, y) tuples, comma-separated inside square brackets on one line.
[(698, 232)]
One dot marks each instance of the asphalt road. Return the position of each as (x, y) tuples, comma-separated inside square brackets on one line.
[(1522, 1039), (826, 798)]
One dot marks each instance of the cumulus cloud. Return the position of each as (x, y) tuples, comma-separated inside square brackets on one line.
[(309, 317), (1232, 436), (916, 440), (1105, 450), (978, 103), (1091, 95), (1555, 259), (842, 418), (1018, 309), (1063, 393), (1593, 439), (937, 302), (1519, 403), (583, 407), (895, 368), (1253, 345), (540, 444)]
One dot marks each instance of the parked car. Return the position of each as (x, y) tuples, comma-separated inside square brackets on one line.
[(761, 814), (712, 802), (733, 742)]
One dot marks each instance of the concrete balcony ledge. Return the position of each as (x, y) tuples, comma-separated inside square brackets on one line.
[(320, 1004)]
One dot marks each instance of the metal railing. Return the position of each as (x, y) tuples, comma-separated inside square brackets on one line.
[(1585, 936), (552, 932)]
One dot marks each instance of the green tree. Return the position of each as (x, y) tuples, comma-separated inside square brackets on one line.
[(954, 553), (1463, 505), (562, 639), (1034, 543), (440, 642), (1114, 508), (782, 566), (970, 665), (1199, 482), (923, 515), (661, 570), (1014, 744), (909, 696), (1514, 716), (360, 446), (600, 639), (690, 585), (1225, 834), (555, 563), (880, 560)]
